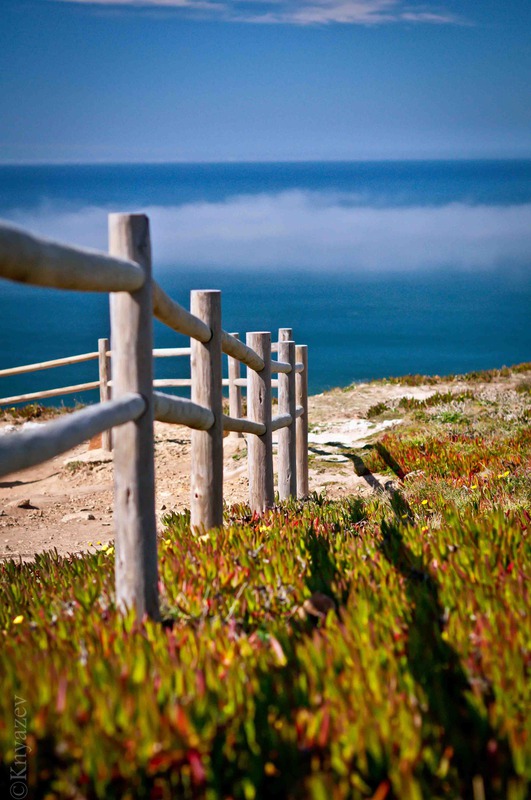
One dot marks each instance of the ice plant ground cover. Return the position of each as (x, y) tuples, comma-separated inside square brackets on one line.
[(372, 647)]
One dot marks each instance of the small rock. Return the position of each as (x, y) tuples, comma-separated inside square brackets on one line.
[(77, 517), (21, 504)]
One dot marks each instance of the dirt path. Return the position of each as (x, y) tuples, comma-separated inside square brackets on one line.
[(66, 503)]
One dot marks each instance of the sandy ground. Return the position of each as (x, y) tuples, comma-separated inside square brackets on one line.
[(66, 503)]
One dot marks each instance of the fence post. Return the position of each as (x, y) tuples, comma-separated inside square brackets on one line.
[(207, 446), (104, 363), (287, 454), (285, 335), (301, 384), (260, 448), (134, 479), (235, 392)]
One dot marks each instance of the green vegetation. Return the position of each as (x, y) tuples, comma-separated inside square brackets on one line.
[(477, 376), (27, 412), (485, 376), (367, 648), (75, 466), (32, 411)]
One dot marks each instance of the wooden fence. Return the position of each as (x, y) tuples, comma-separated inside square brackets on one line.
[(104, 383), (134, 297)]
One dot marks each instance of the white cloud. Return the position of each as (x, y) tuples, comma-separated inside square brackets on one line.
[(212, 6), (354, 12), (299, 12), (312, 231)]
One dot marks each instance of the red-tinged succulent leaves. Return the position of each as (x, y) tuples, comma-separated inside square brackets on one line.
[(238, 694)]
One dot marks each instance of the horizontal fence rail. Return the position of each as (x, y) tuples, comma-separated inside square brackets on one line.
[(241, 352), (27, 448), (129, 400), (169, 352), (239, 425), (160, 352), (56, 362), (182, 412), (25, 398), (27, 259), (178, 318)]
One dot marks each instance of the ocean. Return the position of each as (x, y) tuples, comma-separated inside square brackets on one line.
[(382, 268)]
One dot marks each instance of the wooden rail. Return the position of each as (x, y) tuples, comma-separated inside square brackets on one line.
[(26, 448), (56, 362), (40, 262), (129, 405), (103, 355)]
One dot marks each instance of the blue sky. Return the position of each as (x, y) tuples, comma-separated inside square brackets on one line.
[(242, 80)]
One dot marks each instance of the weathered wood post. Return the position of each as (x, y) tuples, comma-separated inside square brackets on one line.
[(260, 448), (134, 478), (287, 453), (235, 392), (285, 335), (207, 446), (104, 363), (301, 384)]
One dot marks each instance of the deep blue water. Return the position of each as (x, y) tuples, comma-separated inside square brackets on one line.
[(378, 183), (347, 233)]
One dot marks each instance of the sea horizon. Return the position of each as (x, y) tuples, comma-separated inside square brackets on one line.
[(245, 161)]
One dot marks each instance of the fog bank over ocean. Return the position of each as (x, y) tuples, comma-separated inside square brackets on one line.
[(382, 268), (309, 230)]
